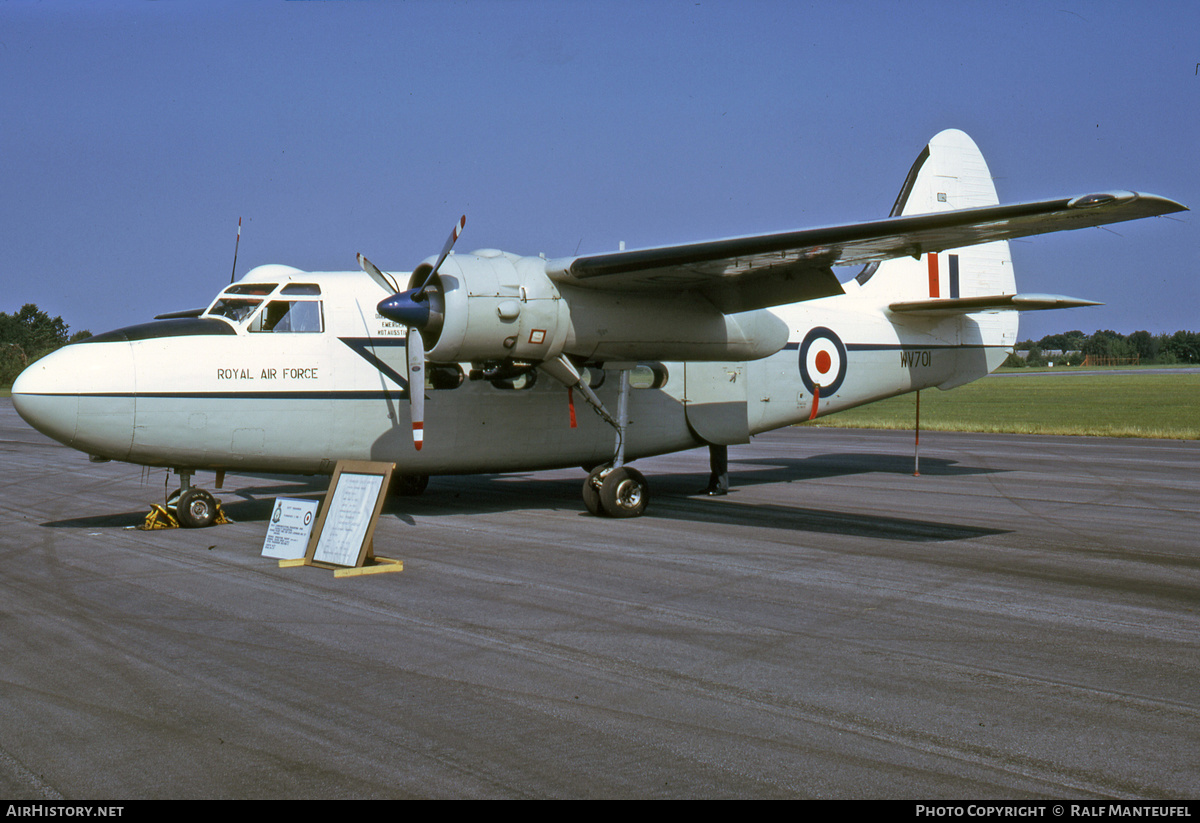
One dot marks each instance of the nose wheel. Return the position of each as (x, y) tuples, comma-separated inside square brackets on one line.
[(196, 509), (188, 506)]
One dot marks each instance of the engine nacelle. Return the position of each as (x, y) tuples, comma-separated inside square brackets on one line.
[(496, 306), (493, 306), (652, 326)]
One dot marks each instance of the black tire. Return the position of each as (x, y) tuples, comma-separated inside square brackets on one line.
[(624, 493), (196, 509), (591, 490), (409, 485)]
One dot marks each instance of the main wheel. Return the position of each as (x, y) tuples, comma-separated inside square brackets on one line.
[(591, 489), (196, 509), (624, 493), (409, 485)]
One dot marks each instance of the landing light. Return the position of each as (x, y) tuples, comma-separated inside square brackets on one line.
[(1091, 201)]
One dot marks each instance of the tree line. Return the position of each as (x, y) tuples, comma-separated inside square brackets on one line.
[(1072, 347), (28, 334)]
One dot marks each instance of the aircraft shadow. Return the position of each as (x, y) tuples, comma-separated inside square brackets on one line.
[(674, 495), (729, 510), (783, 469), (244, 504), (117, 520)]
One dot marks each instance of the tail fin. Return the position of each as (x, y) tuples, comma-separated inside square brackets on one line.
[(950, 173)]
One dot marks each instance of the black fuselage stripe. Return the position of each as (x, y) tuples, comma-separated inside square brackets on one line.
[(280, 395), (906, 346)]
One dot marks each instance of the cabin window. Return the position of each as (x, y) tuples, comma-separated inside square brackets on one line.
[(289, 316), (593, 376), (444, 377), (522, 381), (648, 376)]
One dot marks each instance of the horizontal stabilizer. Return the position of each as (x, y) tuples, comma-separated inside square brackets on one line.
[(994, 302)]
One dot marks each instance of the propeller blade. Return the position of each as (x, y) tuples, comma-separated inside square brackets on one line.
[(412, 308), (416, 385), (458, 228), (376, 275)]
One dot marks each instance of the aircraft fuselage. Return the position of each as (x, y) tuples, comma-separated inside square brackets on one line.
[(215, 393)]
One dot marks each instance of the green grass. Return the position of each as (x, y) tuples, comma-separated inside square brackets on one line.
[(1116, 404)]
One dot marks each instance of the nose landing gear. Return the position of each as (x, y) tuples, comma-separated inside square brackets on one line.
[(196, 509), (188, 506)]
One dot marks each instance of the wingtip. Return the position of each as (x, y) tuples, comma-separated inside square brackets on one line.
[(1165, 205)]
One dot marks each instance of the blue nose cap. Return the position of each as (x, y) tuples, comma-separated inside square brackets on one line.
[(406, 308)]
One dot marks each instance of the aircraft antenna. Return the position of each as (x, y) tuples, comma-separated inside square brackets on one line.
[(236, 243)]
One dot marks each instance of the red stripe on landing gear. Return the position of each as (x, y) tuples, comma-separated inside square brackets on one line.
[(816, 400), (571, 404), (934, 290)]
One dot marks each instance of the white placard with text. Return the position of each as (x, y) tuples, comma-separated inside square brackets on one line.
[(290, 527)]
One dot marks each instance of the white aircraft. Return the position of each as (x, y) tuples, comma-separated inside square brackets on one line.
[(673, 348)]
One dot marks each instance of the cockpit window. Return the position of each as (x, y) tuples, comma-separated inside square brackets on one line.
[(289, 316), (260, 289), (236, 309), (301, 288)]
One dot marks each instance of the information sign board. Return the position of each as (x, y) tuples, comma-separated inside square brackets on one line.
[(342, 536), (290, 527)]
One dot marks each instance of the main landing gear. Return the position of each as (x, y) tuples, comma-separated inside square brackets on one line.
[(612, 489), (615, 491)]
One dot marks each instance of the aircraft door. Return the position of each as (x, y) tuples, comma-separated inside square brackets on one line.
[(714, 396)]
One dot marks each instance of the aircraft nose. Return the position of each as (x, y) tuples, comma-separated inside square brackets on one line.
[(82, 396), (46, 397)]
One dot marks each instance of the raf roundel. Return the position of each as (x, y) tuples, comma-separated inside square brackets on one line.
[(822, 361)]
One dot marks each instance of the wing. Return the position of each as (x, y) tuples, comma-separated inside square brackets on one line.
[(743, 273)]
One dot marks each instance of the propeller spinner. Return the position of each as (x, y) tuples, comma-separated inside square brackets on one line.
[(414, 308)]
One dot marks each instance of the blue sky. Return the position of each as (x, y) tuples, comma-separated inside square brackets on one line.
[(136, 133)]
